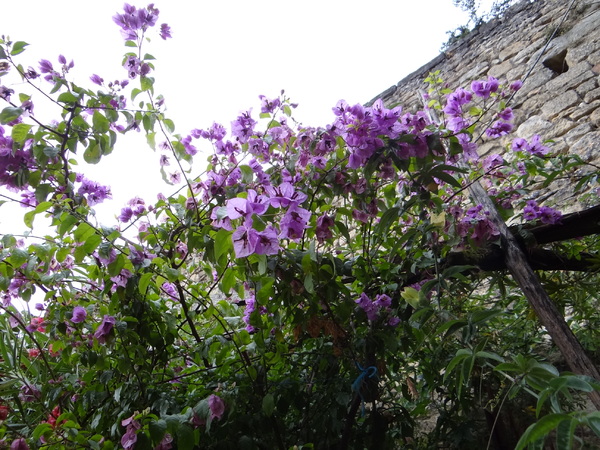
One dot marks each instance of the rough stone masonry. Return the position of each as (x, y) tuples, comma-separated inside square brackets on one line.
[(559, 100)]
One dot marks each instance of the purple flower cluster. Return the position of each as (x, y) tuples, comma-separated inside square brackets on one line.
[(134, 22), (476, 225), (53, 75), (362, 127), (129, 439), (12, 162), (378, 308), (544, 214), (248, 240), (484, 88), (93, 192), (534, 147), (456, 120), (136, 207), (269, 105), (250, 308)]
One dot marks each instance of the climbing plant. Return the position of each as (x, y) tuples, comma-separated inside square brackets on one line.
[(342, 286)]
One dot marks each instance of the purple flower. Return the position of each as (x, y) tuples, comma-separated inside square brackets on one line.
[(165, 31), (105, 328), (294, 222), (170, 290), (244, 241), (19, 444), (267, 242), (519, 145), (79, 314), (393, 321), (499, 129), (5, 93), (284, 195), (492, 161), (549, 215), (267, 105), (216, 407), (97, 79), (126, 214), (367, 305), (536, 147), (484, 88), (516, 85), (382, 301), (46, 66), (324, 225), (506, 114), (130, 437), (243, 127)]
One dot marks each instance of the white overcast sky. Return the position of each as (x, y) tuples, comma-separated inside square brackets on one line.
[(225, 53)]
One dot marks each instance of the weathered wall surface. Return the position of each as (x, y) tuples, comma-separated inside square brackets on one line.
[(560, 98)]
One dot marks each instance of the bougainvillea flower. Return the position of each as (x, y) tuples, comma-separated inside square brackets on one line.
[(105, 328), (244, 241), (79, 314), (216, 406)]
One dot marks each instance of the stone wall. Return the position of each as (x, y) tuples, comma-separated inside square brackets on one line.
[(560, 97)]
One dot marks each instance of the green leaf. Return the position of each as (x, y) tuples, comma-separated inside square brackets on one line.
[(565, 434), (9, 114), (268, 405), (100, 124), (411, 295), (540, 429), (18, 47), (43, 429), (92, 154), (144, 282), (460, 356), (20, 132), (67, 97), (186, 439), (169, 124), (157, 430), (146, 83)]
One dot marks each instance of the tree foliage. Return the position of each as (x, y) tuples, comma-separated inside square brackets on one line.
[(307, 287)]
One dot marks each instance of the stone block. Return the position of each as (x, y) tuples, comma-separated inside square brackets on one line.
[(585, 88), (554, 107), (534, 125), (575, 76), (511, 50), (584, 110), (582, 52), (500, 70), (562, 126), (587, 146), (595, 118), (537, 78), (577, 133)]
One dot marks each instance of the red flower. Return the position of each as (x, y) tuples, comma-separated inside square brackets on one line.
[(53, 416), (4, 412)]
